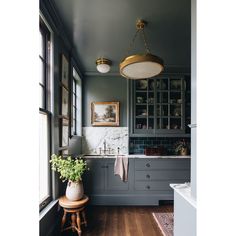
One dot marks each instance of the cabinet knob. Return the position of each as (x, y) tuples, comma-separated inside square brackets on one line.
[(148, 176), (147, 165), (147, 187)]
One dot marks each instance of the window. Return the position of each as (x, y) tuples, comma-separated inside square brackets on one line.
[(76, 124), (44, 117)]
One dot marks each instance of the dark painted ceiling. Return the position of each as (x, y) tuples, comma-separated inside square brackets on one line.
[(107, 27)]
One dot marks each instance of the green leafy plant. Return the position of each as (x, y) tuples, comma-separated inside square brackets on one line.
[(182, 144), (69, 168)]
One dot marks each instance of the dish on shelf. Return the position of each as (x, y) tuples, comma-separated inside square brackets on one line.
[(161, 84), (139, 99), (151, 85), (142, 84), (176, 84)]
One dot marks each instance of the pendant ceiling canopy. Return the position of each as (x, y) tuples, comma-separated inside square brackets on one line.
[(140, 66)]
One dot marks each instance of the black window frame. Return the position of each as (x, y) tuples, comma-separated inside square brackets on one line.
[(45, 109)]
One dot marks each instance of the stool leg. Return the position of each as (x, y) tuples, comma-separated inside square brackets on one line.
[(78, 223), (73, 222), (63, 221), (84, 218)]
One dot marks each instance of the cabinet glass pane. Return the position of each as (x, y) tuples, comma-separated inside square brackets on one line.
[(141, 123), (165, 123), (158, 84), (175, 110), (150, 110), (158, 123), (175, 123), (141, 110), (158, 96), (164, 84), (151, 123), (151, 85), (175, 97), (164, 110), (141, 98), (158, 110), (164, 97), (175, 84)]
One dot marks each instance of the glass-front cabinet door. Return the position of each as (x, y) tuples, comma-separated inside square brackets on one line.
[(160, 105)]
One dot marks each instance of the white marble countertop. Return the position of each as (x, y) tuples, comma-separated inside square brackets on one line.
[(185, 191), (135, 156)]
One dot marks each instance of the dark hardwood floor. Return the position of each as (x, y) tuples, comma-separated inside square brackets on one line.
[(121, 221)]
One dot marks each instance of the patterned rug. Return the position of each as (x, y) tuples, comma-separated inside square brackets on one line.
[(165, 221)]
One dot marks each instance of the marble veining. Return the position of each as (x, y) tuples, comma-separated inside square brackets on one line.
[(93, 138)]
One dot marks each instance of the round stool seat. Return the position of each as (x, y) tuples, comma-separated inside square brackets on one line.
[(65, 203)]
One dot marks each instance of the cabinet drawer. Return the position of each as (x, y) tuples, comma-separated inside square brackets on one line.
[(152, 185), (147, 164), (162, 175)]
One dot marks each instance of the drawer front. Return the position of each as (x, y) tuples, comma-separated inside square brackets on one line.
[(162, 175), (147, 164), (152, 185)]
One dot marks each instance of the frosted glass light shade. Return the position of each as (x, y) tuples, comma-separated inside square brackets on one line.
[(103, 68), (103, 65), (141, 66)]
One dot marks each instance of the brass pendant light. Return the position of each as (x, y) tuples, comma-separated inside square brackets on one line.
[(141, 66)]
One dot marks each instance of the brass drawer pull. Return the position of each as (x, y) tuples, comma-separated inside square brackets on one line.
[(147, 165)]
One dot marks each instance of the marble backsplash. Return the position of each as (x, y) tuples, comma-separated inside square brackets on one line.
[(94, 137)]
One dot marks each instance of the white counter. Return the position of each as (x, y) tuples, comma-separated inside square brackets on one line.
[(135, 156), (185, 191)]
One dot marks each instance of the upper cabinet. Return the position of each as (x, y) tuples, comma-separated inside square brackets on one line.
[(160, 106)]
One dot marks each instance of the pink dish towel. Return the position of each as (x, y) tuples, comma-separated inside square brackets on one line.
[(121, 167)]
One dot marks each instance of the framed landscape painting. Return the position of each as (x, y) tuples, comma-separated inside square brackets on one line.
[(105, 113)]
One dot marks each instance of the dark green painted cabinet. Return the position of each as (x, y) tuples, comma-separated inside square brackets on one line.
[(148, 180), (100, 178), (160, 106)]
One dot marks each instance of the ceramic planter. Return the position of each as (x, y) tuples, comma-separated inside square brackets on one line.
[(74, 190), (184, 152)]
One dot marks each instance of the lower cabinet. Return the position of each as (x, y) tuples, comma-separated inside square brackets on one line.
[(148, 180)]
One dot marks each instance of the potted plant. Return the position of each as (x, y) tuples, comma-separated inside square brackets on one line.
[(71, 170), (182, 148)]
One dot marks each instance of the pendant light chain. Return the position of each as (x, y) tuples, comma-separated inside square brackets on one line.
[(132, 42), (145, 41)]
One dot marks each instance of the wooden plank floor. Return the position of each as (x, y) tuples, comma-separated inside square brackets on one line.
[(122, 221)]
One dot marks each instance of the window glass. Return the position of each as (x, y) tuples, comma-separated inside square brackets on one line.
[(76, 105), (43, 157)]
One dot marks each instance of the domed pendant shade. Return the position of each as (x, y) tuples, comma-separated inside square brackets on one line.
[(103, 65), (141, 66)]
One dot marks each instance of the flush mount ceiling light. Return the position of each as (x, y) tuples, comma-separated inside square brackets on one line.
[(103, 65), (140, 66)]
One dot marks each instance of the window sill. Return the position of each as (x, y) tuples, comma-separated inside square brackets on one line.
[(47, 209)]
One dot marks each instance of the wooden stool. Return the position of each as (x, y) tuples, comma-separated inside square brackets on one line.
[(73, 207)]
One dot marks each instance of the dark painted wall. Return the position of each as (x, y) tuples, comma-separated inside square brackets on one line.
[(61, 44), (104, 89)]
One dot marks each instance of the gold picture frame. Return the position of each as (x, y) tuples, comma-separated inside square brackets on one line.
[(105, 113)]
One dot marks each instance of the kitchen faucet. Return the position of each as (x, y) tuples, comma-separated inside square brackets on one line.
[(104, 146)]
